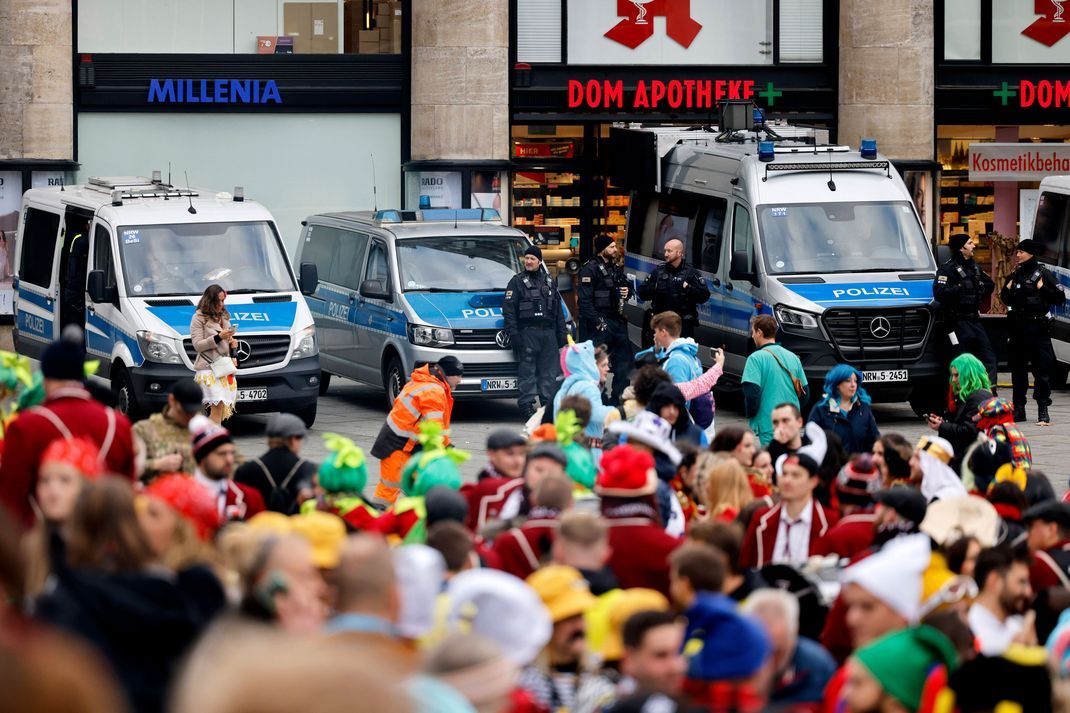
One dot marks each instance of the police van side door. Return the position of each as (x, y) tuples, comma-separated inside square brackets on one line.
[(707, 249), (377, 316), (37, 304), (742, 274), (103, 320), (1051, 228)]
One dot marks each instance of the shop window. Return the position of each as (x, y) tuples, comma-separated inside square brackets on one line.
[(801, 31), (538, 31), (548, 205), (708, 257), (1050, 228), (240, 26), (1021, 34), (39, 247), (487, 190), (433, 189), (962, 29)]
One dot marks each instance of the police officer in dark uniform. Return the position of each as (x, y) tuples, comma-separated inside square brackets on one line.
[(961, 286), (536, 327), (602, 293), (674, 286), (1029, 294)]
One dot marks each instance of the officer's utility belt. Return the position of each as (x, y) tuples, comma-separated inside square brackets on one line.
[(971, 314), (1020, 317), (536, 324)]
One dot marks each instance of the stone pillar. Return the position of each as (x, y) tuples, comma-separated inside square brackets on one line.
[(886, 76), (36, 93), (460, 80)]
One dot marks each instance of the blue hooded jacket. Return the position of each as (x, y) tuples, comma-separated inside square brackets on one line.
[(583, 380), (681, 361)]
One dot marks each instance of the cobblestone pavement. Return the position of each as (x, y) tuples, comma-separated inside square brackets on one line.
[(357, 412)]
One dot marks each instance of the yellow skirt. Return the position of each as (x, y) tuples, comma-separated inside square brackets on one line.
[(218, 391)]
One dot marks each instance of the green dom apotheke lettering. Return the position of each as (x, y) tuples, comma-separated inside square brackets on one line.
[(213, 91)]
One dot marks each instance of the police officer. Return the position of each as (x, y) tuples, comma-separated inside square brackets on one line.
[(536, 327), (674, 286), (960, 288), (603, 291), (1029, 294), (74, 295)]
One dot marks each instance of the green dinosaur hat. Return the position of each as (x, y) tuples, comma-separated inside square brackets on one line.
[(434, 464), (581, 467), (346, 471)]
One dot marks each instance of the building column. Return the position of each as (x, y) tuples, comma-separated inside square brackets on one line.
[(460, 80), (36, 96), (886, 76)]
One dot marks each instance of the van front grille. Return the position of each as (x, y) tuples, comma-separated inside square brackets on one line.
[(879, 334), (476, 339), (483, 371), (264, 349)]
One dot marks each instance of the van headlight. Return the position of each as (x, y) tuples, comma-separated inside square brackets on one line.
[(424, 336), (305, 342), (158, 348), (796, 320)]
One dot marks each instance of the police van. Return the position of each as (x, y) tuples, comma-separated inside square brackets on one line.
[(148, 251), (401, 288), (824, 238), (1050, 228)]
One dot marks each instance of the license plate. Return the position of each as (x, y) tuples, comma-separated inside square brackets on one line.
[(877, 377), (252, 394), (499, 384)]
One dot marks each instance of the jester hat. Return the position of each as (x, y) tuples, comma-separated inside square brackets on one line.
[(346, 471), (581, 467), (434, 464)]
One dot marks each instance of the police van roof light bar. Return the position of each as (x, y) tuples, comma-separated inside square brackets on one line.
[(822, 167), (483, 215)]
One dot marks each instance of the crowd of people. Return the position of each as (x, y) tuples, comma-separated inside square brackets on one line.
[(616, 555)]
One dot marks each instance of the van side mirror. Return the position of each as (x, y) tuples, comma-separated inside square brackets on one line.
[(99, 293), (741, 268), (374, 290), (564, 282), (309, 278)]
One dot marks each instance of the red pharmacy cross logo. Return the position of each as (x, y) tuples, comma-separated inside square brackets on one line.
[(639, 27), (1053, 26)]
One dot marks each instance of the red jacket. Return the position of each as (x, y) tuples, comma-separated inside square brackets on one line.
[(1051, 567), (849, 536), (761, 535), (521, 550), (486, 498), (640, 550), (68, 412), (243, 502)]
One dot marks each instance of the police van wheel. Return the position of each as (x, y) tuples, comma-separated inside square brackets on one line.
[(325, 383), (307, 414), (393, 380), (123, 389)]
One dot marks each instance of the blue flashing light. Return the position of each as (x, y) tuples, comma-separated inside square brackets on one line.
[(759, 116), (425, 202), (766, 151), (869, 148), (388, 216)]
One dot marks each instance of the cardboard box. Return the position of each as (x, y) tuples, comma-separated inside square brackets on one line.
[(369, 48), (313, 26), (266, 45), (386, 46)]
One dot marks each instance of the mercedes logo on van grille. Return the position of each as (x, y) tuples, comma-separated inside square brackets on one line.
[(244, 351), (880, 327), (502, 339)]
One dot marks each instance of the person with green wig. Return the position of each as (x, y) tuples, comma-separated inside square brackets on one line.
[(433, 465), (342, 478), (903, 672), (970, 388), (581, 467)]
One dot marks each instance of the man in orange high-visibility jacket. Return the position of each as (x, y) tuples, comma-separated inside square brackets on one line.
[(428, 396)]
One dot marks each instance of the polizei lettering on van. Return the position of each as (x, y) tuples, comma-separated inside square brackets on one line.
[(871, 292), (250, 317), (481, 312), (213, 91)]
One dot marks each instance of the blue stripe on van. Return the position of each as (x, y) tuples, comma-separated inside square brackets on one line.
[(34, 299), (101, 341), (34, 326), (866, 294), (246, 317)]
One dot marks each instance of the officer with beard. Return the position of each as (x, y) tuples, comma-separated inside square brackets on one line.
[(602, 292), (961, 286)]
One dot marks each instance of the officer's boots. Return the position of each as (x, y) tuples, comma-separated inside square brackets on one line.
[(1019, 414), (1042, 416)]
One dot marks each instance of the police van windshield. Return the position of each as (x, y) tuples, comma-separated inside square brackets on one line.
[(459, 264), (842, 237), (185, 259)]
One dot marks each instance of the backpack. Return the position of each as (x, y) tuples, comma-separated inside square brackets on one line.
[(701, 410), (281, 499)]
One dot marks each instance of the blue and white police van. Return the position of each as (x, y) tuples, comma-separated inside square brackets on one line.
[(150, 251), (400, 288), (1051, 229), (824, 238)]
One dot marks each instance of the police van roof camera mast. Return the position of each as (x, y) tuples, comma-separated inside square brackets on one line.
[(148, 260), (826, 238)]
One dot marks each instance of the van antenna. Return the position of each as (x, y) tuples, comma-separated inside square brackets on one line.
[(832, 183), (62, 188), (375, 188), (169, 173), (189, 194)]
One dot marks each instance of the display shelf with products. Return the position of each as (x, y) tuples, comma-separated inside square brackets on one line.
[(547, 200), (965, 206)]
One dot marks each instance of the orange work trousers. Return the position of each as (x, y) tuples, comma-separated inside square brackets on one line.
[(389, 485)]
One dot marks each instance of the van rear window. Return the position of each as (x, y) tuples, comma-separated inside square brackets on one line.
[(660, 220), (1049, 228)]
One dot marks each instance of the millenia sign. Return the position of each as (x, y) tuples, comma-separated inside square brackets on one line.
[(213, 91)]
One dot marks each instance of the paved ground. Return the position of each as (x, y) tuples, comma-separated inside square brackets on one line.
[(357, 412)]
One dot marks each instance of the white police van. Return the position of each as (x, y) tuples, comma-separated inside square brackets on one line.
[(401, 288), (825, 238), (1050, 228), (151, 251)]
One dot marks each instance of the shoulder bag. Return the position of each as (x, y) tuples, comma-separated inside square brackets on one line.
[(797, 383)]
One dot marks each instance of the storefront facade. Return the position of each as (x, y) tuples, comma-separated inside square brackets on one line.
[(291, 100)]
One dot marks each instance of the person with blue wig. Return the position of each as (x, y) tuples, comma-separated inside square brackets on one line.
[(844, 409)]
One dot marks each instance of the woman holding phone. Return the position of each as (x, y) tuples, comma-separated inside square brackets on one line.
[(213, 339)]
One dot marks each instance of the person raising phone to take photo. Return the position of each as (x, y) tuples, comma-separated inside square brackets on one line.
[(213, 339)]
